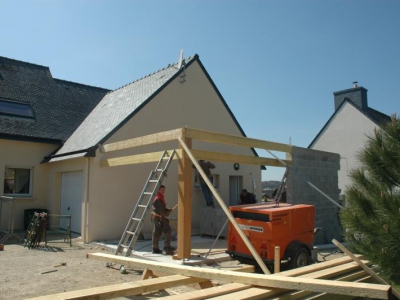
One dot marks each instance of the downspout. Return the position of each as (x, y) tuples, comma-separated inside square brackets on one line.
[(85, 215)]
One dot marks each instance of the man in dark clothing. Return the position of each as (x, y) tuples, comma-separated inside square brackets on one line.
[(160, 222), (208, 196), (247, 198)]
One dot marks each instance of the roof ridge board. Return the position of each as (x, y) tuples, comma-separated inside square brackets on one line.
[(153, 73), (23, 62), (81, 84)]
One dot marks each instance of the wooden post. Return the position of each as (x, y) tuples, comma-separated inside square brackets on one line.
[(184, 202), (224, 208), (277, 260)]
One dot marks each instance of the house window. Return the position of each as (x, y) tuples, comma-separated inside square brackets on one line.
[(17, 181), (15, 109), (215, 181)]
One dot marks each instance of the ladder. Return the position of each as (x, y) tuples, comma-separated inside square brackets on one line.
[(135, 223), (281, 188)]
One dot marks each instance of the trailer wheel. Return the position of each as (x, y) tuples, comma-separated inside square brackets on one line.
[(299, 258)]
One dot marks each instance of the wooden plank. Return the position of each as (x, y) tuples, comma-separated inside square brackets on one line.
[(252, 293), (135, 159), (239, 268), (222, 138), (225, 208), (199, 154), (318, 266), (301, 294), (210, 292), (125, 289), (184, 203), (274, 281), (241, 159), (365, 267), (333, 271), (159, 137)]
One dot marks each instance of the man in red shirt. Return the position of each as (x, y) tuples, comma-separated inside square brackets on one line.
[(160, 222)]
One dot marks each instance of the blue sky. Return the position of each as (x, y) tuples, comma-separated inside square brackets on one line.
[(276, 63)]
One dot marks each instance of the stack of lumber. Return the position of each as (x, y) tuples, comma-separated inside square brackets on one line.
[(340, 278)]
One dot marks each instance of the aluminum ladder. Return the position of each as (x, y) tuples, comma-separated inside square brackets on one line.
[(135, 223)]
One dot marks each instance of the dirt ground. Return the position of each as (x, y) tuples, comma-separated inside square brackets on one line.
[(27, 273)]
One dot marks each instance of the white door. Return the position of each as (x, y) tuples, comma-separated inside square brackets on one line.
[(235, 188), (71, 199)]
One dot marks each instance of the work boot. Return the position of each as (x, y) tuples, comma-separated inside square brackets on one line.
[(170, 248), (157, 251)]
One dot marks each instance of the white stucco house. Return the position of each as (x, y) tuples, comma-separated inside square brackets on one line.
[(347, 129), (58, 146)]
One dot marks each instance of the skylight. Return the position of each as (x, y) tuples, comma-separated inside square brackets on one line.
[(16, 109)]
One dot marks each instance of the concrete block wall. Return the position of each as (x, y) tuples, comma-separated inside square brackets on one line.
[(212, 221), (321, 169)]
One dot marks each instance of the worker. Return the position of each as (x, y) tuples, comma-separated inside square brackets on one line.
[(160, 222), (247, 198), (208, 196)]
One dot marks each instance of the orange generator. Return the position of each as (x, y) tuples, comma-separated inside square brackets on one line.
[(266, 225)]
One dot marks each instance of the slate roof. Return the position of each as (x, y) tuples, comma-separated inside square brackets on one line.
[(117, 107), (59, 106), (375, 116)]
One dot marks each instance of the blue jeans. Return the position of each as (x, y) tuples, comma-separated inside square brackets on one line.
[(208, 196)]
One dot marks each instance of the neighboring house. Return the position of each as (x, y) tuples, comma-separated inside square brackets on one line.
[(347, 129), (38, 113), (101, 200)]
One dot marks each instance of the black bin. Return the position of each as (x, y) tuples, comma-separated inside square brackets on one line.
[(28, 214)]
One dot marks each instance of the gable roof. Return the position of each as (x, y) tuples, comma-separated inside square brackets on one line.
[(375, 116), (118, 106), (59, 106)]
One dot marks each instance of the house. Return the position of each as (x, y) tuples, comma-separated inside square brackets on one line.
[(38, 113), (347, 129), (70, 180)]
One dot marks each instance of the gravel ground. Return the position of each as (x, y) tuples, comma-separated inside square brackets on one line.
[(27, 273)]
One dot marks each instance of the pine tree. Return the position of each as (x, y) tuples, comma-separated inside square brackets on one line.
[(371, 217)]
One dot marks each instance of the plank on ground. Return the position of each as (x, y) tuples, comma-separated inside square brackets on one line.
[(210, 292), (274, 281), (125, 289)]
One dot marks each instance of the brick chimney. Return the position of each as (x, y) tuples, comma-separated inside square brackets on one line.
[(357, 95)]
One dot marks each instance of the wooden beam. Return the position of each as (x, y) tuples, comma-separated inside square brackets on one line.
[(199, 154), (253, 293), (135, 159), (225, 209), (125, 289), (210, 292), (159, 137), (364, 266), (184, 203), (241, 159), (209, 136), (317, 267), (377, 291)]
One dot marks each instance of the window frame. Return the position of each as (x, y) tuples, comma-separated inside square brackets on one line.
[(31, 170), (29, 115), (197, 181)]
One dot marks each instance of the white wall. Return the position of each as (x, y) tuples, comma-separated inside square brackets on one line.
[(346, 134), (113, 191)]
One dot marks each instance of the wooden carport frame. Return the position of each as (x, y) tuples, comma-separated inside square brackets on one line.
[(188, 156)]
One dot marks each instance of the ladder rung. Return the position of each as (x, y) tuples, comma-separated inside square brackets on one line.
[(136, 219), (148, 193), (141, 205), (131, 233), (166, 157), (159, 170), (153, 180)]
